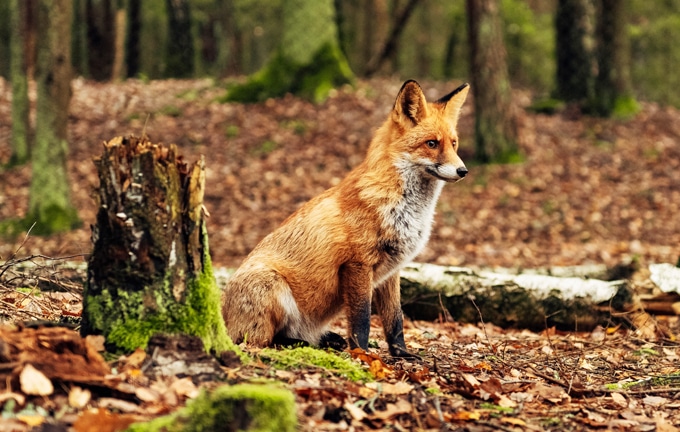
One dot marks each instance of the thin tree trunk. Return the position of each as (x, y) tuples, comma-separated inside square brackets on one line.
[(134, 27), (495, 127), (50, 202), (18, 74), (391, 45), (80, 46), (117, 71), (100, 38)]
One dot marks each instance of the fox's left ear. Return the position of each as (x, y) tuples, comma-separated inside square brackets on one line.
[(410, 107), (454, 101)]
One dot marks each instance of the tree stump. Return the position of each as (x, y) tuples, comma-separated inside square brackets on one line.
[(150, 269)]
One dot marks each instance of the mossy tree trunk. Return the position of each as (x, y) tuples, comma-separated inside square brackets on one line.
[(495, 124), (308, 61), (150, 269), (50, 205), (18, 74)]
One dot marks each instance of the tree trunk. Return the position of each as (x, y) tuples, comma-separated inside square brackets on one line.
[(134, 20), (100, 38), (308, 61), (180, 42), (574, 57), (18, 75), (118, 69), (495, 127), (150, 269), (613, 94), (50, 203), (80, 44)]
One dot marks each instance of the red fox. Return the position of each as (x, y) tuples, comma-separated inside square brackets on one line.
[(344, 248)]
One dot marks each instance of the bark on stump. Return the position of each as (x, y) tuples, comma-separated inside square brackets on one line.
[(150, 269)]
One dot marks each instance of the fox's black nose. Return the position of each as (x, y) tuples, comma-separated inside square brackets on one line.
[(462, 171)]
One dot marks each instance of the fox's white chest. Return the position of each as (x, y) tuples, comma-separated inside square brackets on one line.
[(410, 219)]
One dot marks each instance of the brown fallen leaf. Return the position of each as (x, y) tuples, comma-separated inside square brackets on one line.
[(102, 420), (463, 416), (393, 409), (32, 420), (96, 342), (79, 397), (400, 388), (551, 393), (353, 410), (34, 382), (513, 421), (185, 387), (377, 366)]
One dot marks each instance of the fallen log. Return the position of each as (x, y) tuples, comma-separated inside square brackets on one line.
[(531, 301)]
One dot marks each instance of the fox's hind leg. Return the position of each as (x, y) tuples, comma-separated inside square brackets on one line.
[(250, 305)]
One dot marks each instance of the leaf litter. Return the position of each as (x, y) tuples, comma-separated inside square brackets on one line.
[(589, 191)]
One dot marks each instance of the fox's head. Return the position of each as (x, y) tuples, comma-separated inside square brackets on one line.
[(425, 134)]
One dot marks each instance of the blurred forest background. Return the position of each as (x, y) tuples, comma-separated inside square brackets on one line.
[(151, 39), (583, 92)]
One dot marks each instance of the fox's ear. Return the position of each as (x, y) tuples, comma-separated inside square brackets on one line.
[(410, 106), (454, 101)]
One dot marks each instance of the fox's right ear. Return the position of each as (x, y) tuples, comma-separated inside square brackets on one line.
[(410, 108), (454, 102)]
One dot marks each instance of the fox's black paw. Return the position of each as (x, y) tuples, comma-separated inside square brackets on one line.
[(401, 352), (285, 341), (333, 341)]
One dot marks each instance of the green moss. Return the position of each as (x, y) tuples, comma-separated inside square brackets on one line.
[(128, 323), (625, 107), (546, 106), (241, 407), (231, 131), (303, 357), (52, 219), (171, 111), (314, 81)]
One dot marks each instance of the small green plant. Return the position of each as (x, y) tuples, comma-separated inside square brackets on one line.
[(546, 106), (171, 111), (189, 95), (299, 127), (232, 131), (265, 148)]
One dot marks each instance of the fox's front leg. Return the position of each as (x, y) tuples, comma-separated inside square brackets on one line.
[(387, 302), (355, 281)]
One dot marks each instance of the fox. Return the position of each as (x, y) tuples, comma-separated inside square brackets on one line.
[(343, 250)]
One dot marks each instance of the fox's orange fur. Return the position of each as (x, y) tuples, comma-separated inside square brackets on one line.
[(344, 248)]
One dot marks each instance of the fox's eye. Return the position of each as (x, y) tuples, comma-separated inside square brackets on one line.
[(432, 143)]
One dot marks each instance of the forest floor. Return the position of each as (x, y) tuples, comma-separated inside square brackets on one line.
[(588, 191)]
